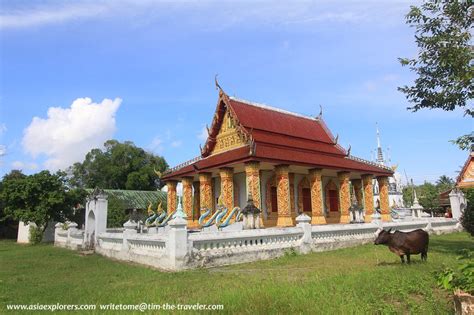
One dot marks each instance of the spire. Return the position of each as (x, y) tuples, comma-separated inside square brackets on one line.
[(380, 159)]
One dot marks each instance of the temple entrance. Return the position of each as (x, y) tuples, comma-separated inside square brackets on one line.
[(306, 194), (331, 192), (274, 200), (333, 201)]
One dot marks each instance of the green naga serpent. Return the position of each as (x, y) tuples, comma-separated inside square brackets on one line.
[(219, 217)]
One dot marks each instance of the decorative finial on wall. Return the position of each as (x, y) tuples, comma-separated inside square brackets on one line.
[(320, 112), (336, 139), (349, 150)]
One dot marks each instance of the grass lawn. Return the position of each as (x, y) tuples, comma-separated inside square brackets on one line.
[(361, 280)]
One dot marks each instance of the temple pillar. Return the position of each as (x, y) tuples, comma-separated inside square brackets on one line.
[(172, 196), (283, 196), (357, 184), (252, 174), (384, 200), (344, 196), (196, 201), (317, 215), (227, 187), (205, 191), (291, 176), (368, 196), (188, 199)]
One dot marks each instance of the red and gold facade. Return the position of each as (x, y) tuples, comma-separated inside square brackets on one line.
[(289, 164)]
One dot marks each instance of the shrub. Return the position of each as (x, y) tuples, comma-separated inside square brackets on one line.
[(467, 219), (36, 234), (462, 278)]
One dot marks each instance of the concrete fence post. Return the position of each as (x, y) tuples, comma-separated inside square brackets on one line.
[(177, 244), (130, 229), (303, 221), (71, 228)]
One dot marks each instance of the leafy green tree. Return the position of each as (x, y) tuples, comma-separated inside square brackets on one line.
[(118, 166), (444, 183), (443, 67), (408, 196), (428, 196), (39, 198)]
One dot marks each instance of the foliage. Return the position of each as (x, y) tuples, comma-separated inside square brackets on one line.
[(444, 183), (428, 196), (35, 234), (443, 67), (467, 219), (39, 198), (360, 280), (408, 196), (462, 278), (116, 213), (118, 166)]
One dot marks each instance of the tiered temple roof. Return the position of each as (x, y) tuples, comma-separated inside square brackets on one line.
[(257, 132)]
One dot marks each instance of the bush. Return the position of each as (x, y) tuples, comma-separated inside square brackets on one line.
[(36, 234), (467, 219), (462, 278)]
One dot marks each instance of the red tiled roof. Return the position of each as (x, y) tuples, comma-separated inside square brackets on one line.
[(277, 136)]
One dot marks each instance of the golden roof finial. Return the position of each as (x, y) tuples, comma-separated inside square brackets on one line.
[(158, 173), (159, 208)]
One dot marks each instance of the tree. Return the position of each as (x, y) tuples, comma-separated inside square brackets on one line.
[(408, 196), (39, 198), (428, 196), (444, 65), (118, 166), (444, 183)]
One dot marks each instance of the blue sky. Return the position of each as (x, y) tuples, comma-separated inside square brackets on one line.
[(153, 62)]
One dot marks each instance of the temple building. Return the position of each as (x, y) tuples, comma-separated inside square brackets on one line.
[(288, 163), (395, 186)]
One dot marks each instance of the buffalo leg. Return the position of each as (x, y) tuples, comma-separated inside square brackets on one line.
[(402, 258), (424, 256), (408, 258)]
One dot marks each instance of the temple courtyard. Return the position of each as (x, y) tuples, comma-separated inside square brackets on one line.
[(362, 279)]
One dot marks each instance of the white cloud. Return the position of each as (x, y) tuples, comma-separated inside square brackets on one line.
[(156, 145), (176, 143), (3, 129), (203, 134), (18, 165), (67, 134), (202, 13)]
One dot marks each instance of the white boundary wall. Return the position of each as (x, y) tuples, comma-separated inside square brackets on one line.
[(174, 248)]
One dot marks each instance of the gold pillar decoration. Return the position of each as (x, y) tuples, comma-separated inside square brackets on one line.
[(344, 196), (357, 184), (227, 187), (384, 201), (196, 202), (172, 196), (252, 175), (368, 196), (205, 191), (188, 198), (292, 192), (317, 214), (283, 196)]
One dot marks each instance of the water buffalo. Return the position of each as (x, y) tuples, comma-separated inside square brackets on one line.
[(409, 243)]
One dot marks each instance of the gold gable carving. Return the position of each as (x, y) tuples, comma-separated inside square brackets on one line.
[(228, 137), (467, 178)]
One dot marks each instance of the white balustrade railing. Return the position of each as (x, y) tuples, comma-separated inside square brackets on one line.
[(246, 240), (177, 249)]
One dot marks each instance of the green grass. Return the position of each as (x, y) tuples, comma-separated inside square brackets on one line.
[(360, 280)]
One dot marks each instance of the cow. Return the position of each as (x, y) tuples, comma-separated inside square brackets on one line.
[(405, 243)]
